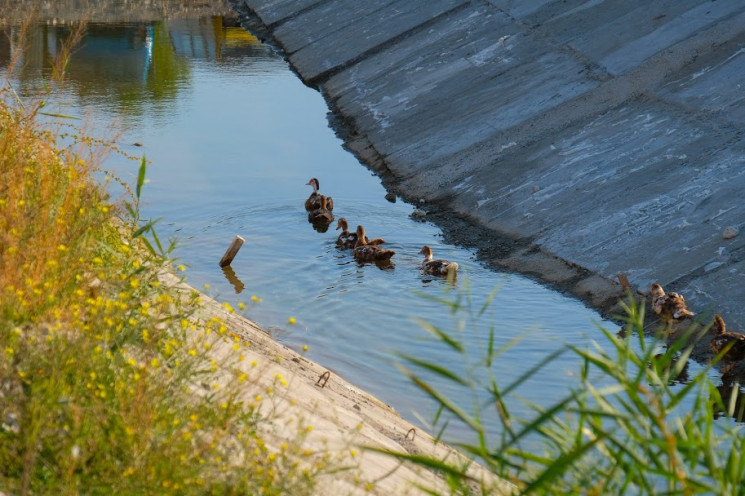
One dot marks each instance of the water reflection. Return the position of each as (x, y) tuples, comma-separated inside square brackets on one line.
[(129, 69), (732, 399), (233, 279)]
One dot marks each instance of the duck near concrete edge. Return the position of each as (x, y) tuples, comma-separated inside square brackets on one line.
[(669, 307), (437, 267)]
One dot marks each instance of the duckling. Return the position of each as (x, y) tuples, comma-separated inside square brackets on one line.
[(314, 200), (348, 239), (438, 267), (723, 338), (670, 307), (364, 252), (321, 215)]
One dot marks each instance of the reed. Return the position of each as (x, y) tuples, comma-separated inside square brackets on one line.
[(627, 426)]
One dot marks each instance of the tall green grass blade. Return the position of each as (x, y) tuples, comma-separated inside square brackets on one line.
[(427, 462), (490, 348), (148, 226), (441, 399), (437, 369), (544, 417), (488, 301), (532, 371), (60, 116), (141, 177), (559, 466), (441, 335), (157, 241)]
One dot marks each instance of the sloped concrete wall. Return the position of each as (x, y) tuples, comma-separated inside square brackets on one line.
[(605, 135)]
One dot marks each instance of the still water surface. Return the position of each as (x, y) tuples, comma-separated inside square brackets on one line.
[(233, 137)]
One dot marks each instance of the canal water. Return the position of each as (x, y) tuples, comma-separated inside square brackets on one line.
[(232, 137)]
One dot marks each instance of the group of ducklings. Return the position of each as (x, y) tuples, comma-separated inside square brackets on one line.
[(671, 308), (320, 214)]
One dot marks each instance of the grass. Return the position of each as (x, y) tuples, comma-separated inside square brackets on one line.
[(628, 426), (111, 381)]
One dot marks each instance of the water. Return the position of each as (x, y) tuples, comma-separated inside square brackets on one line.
[(232, 137)]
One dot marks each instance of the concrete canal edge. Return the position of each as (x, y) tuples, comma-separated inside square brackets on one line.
[(569, 140), (344, 418)]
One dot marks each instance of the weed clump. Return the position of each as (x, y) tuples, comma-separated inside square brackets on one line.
[(111, 380)]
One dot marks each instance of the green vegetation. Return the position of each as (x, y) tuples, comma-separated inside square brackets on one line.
[(626, 427), (111, 381)]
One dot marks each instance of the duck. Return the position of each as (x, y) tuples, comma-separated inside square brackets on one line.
[(723, 338), (437, 267), (670, 307), (314, 200), (348, 239), (322, 214), (364, 252)]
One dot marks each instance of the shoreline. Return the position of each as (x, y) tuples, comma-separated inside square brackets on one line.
[(343, 416)]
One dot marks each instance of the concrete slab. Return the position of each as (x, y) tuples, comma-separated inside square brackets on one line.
[(369, 33), (323, 20), (679, 28), (274, 12), (713, 85)]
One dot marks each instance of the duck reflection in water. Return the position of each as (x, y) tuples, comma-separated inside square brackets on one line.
[(673, 366), (731, 405), (321, 218)]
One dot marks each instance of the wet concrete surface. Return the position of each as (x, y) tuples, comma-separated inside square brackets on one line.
[(572, 140)]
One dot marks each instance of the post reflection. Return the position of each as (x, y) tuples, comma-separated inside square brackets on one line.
[(233, 279)]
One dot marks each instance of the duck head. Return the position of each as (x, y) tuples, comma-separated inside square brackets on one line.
[(656, 291), (342, 224), (360, 236), (718, 327), (313, 182), (426, 251)]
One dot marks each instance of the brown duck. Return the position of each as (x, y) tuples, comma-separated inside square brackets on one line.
[(364, 252), (348, 239), (723, 338), (437, 267), (314, 200), (321, 215), (670, 307)]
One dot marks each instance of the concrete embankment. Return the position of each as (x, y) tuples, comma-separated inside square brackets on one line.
[(342, 417), (574, 140)]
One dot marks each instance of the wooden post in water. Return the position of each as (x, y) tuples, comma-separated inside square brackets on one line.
[(232, 251)]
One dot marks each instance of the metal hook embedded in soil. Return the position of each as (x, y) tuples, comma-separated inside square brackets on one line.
[(325, 378)]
